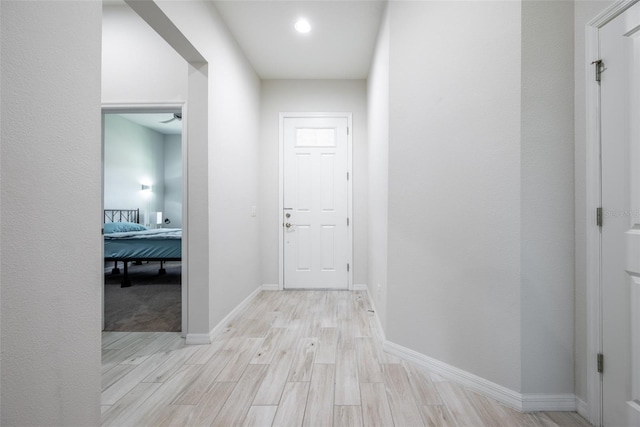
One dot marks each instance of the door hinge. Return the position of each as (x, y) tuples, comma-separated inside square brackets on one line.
[(600, 362), (599, 217), (347, 176), (599, 69), (347, 221), (348, 268), (347, 130)]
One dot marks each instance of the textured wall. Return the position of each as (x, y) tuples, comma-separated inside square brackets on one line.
[(50, 208), (547, 197)]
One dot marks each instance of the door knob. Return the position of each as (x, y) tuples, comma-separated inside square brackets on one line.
[(288, 225)]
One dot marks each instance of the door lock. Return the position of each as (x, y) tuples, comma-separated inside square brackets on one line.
[(288, 225), (288, 215)]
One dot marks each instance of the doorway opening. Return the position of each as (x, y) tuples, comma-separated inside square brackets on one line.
[(144, 284)]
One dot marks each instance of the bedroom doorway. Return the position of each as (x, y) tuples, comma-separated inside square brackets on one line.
[(144, 286)]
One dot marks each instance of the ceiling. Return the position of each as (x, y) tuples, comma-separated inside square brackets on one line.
[(152, 121), (340, 44)]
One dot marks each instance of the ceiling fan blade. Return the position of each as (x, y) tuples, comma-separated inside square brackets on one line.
[(175, 117)]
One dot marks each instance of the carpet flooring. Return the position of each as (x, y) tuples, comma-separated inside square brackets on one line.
[(152, 304)]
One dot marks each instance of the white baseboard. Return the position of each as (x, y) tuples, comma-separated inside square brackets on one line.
[(271, 287), (548, 402), (485, 387), (582, 408), (201, 339), (359, 287), (197, 339), (377, 318), (504, 395)]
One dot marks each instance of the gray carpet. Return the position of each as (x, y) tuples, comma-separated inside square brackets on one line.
[(152, 304)]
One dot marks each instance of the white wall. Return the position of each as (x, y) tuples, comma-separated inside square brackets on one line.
[(137, 64), (480, 155), (454, 184), (50, 232), (133, 155), (378, 129), (279, 96), (173, 180), (547, 147), (226, 172), (234, 120)]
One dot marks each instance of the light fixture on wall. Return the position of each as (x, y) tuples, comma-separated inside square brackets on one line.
[(146, 188)]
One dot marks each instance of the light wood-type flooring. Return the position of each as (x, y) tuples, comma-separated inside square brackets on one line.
[(294, 358)]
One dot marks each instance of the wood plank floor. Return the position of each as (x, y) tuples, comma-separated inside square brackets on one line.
[(292, 358)]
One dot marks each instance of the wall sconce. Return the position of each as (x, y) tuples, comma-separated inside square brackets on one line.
[(146, 188)]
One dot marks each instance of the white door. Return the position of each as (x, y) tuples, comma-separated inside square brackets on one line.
[(620, 119), (316, 244)]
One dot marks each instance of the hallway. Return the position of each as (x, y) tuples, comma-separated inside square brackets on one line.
[(310, 358)]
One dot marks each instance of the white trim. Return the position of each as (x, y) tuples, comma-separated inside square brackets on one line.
[(582, 408), (136, 107), (360, 287), (611, 13), (200, 339), (592, 410), (504, 395), (548, 402), (593, 236), (271, 287), (161, 107), (349, 117), (634, 405), (378, 324), (473, 382)]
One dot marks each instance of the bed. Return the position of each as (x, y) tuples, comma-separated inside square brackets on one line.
[(128, 241)]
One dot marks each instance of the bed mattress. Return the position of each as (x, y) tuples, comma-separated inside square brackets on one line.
[(163, 243)]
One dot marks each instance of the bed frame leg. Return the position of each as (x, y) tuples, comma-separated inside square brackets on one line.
[(126, 282), (162, 269), (115, 269)]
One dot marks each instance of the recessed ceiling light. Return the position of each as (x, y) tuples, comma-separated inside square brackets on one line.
[(303, 26)]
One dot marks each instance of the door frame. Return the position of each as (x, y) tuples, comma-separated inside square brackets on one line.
[(593, 411), (169, 107), (280, 225)]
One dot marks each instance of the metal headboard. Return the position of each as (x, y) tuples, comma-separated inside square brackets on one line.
[(122, 215)]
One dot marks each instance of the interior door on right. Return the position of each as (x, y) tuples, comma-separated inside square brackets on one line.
[(620, 120)]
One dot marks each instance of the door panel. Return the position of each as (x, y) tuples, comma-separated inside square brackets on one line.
[(620, 118), (315, 231)]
